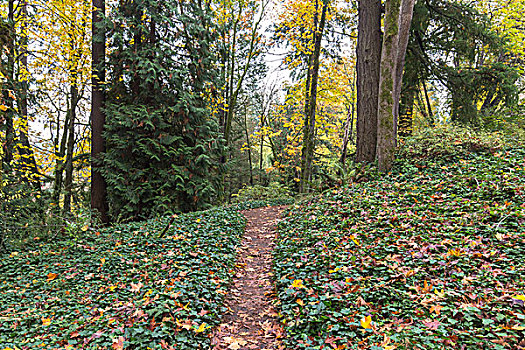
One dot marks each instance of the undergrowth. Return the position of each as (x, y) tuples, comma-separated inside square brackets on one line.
[(429, 256), (126, 287)]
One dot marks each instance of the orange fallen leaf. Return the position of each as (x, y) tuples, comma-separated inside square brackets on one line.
[(300, 302), (51, 276), (46, 321), (436, 309)]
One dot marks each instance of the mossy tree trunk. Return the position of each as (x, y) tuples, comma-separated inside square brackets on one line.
[(385, 114), (398, 16)]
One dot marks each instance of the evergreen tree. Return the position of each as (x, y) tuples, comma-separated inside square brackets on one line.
[(452, 43), (163, 147)]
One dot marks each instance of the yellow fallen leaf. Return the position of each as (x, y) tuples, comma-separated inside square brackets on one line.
[(300, 302), (352, 237), (3, 108), (298, 284), (366, 321), (46, 321), (85, 227), (201, 328), (519, 297), (102, 261), (440, 294)]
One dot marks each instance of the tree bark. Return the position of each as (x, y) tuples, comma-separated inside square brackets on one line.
[(27, 156), (385, 117), (349, 125), (405, 20), (98, 184), (68, 181), (9, 127), (248, 143), (368, 58)]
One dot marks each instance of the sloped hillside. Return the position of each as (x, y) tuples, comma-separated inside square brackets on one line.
[(430, 256)]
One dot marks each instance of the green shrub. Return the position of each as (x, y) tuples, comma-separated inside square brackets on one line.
[(273, 191)]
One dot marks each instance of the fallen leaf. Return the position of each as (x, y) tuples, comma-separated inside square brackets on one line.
[(135, 287), (366, 321), (46, 321), (51, 276), (298, 284), (118, 343), (201, 328)]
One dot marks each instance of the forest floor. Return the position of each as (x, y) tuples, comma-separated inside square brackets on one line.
[(251, 321)]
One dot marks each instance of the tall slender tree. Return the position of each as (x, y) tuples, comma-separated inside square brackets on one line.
[(98, 184), (312, 78), (368, 59)]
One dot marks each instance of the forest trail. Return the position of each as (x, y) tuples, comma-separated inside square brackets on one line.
[(251, 321)]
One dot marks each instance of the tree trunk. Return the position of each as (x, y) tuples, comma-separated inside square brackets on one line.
[(234, 93), (248, 144), (406, 114), (405, 20), (98, 184), (368, 58), (349, 126), (398, 17), (385, 117), (68, 182), (9, 115), (429, 106), (309, 136), (27, 157), (59, 154)]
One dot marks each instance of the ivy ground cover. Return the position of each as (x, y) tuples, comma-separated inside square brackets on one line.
[(123, 288), (431, 256)]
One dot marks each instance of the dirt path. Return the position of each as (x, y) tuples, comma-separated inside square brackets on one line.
[(251, 321)]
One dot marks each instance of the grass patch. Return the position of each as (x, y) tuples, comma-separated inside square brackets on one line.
[(430, 256), (123, 287)]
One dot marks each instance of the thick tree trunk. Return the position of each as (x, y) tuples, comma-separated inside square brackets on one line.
[(309, 136), (98, 184), (368, 58)]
